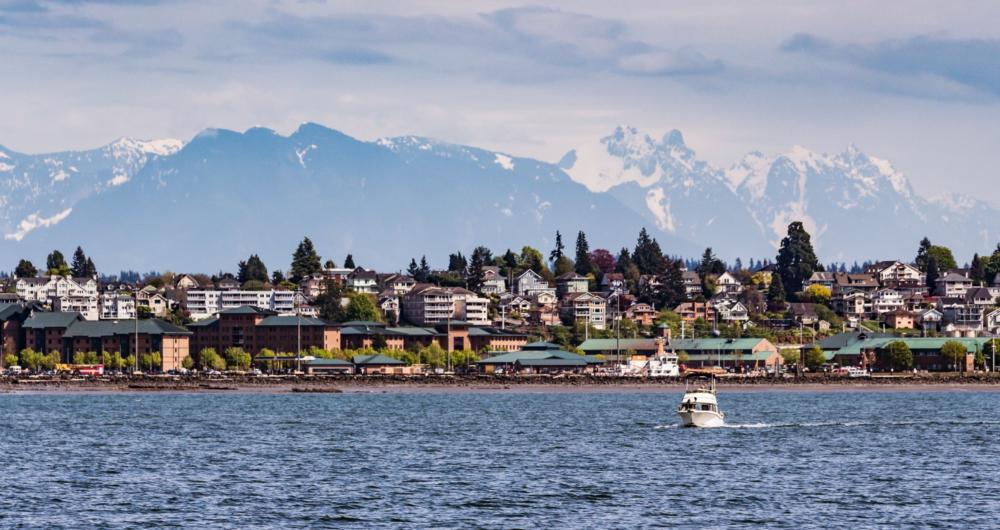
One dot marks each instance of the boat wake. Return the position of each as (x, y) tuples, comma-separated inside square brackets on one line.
[(840, 424)]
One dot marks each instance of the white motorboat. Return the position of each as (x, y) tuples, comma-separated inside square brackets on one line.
[(699, 406)]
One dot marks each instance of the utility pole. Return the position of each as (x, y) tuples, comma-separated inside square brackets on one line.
[(135, 300), (298, 333)]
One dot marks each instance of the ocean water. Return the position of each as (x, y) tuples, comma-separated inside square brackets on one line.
[(499, 459)]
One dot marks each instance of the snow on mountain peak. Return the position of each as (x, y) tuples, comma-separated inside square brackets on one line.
[(161, 147), (752, 170)]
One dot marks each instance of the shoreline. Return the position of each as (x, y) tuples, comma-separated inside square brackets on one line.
[(481, 384)]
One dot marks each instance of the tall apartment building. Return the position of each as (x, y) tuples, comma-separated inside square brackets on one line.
[(428, 304), (203, 303)]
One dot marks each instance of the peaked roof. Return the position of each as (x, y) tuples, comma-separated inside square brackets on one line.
[(292, 320), (51, 319), (537, 358), (541, 346), (247, 310), (622, 344), (376, 359), (108, 328)]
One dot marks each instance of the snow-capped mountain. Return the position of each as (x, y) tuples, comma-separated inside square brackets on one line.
[(856, 206), (38, 191), (225, 194)]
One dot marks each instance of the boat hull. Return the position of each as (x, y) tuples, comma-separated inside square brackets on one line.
[(700, 418)]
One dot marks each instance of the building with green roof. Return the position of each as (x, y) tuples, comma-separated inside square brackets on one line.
[(539, 360), (872, 353)]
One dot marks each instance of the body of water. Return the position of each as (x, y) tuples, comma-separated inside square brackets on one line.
[(499, 460)]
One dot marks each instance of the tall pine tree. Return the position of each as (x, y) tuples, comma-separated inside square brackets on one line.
[(558, 251), (349, 262), (78, 268), (796, 258), (305, 261), (583, 266)]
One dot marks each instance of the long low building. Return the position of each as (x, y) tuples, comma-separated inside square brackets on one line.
[(68, 333), (873, 352), (728, 353), (538, 358)]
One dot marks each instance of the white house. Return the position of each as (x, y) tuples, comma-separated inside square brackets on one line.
[(493, 282), (887, 301), (62, 293), (727, 284), (587, 307), (953, 285), (117, 306), (529, 282), (363, 281)]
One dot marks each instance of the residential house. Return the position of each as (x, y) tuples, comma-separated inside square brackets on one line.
[(727, 284), (185, 282), (900, 319), (571, 282), (803, 313), (692, 283), (928, 319), (852, 303), (398, 284), (590, 308), (992, 322), (642, 314), (227, 283), (155, 303), (731, 310), (512, 303), (613, 282), (493, 282), (952, 285), (691, 311), (843, 282), (363, 281), (822, 278), (887, 301), (545, 310), (896, 274), (529, 282), (388, 303), (117, 306), (62, 294)]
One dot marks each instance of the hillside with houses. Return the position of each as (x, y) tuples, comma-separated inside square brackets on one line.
[(579, 310)]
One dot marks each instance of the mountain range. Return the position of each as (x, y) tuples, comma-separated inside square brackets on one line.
[(204, 204)]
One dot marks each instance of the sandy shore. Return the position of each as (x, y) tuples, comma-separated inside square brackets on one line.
[(437, 384)]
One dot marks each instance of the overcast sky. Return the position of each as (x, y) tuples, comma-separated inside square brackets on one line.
[(915, 82)]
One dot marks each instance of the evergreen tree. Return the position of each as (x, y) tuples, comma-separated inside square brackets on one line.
[(509, 265), (91, 270), (647, 255), (481, 256), (79, 266), (710, 264), (796, 258), (776, 296), (25, 269), (253, 269), (583, 266), (349, 262), (330, 264), (932, 273), (558, 251), (457, 263), (305, 261), (424, 270), (414, 269), (738, 265), (623, 261), (977, 271), (923, 253), (992, 266), (56, 264), (277, 277)]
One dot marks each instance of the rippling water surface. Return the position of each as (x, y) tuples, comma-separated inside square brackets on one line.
[(499, 460)]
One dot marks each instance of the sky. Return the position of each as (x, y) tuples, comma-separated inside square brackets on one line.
[(914, 82)]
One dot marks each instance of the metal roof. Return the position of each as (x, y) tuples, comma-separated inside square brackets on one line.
[(623, 344), (377, 359), (110, 328), (914, 343), (291, 320), (51, 319), (715, 344)]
